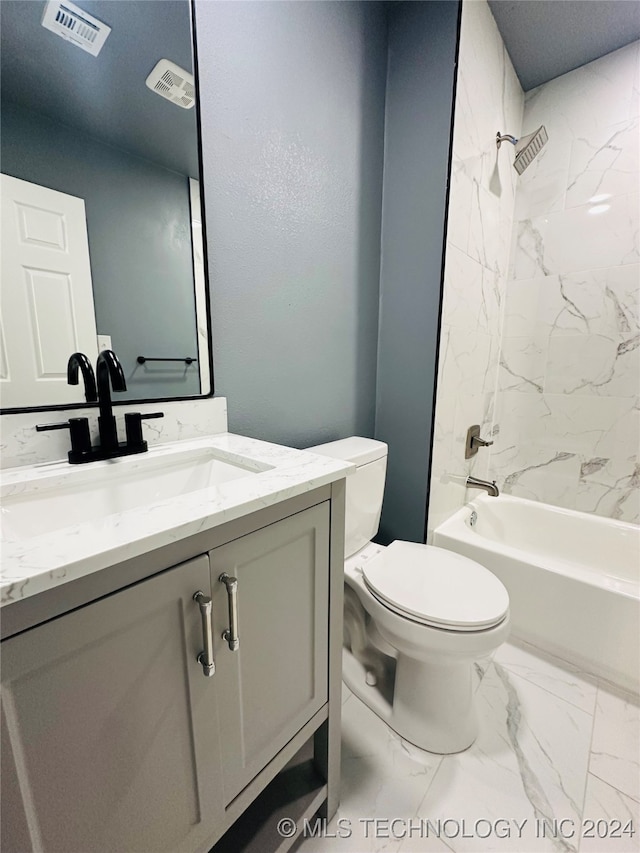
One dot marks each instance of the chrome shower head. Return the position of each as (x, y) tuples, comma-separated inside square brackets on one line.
[(527, 148)]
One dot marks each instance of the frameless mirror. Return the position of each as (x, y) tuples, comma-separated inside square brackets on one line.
[(102, 241)]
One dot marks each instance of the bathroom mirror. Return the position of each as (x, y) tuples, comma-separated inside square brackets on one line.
[(101, 221)]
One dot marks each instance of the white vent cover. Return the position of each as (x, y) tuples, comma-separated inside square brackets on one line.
[(65, 19), (173, 83)]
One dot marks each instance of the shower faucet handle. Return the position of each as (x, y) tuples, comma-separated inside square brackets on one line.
[(474, 442)]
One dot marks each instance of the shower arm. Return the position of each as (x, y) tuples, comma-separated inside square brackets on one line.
[(505, 137)]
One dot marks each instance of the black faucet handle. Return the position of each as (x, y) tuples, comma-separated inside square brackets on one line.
[(47, 427), (80, 437), (133, 427)]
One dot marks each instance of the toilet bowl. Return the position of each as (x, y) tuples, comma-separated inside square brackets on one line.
[(416, 617)]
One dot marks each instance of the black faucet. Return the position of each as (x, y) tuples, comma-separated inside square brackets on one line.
[(110, 373), (80, 360), (110, 376)]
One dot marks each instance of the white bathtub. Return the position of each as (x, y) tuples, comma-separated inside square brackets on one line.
[(573, 579)]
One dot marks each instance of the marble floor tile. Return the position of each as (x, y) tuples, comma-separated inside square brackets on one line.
[(419, 839), (558, 677), (615, 748), (528, 764), (605, 806), (383, 779)]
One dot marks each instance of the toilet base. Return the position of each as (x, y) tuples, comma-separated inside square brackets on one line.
[(432, 705)]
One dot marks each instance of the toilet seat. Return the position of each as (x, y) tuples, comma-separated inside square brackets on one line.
[(436, 587)]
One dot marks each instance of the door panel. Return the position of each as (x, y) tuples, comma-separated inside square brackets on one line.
[(47, 294), (110, 727), (277, 679)]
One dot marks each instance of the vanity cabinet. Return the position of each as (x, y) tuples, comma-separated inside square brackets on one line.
[(113, 737), (109, 734)]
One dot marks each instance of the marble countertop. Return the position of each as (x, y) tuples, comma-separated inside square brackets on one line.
[(38, 563)]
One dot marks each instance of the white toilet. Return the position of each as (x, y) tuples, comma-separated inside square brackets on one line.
[(416, 617)]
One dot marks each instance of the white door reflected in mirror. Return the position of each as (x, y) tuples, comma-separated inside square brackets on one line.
[(47, 297), (89, 127)]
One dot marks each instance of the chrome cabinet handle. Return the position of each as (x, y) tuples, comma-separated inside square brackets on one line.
[(205, 658), (231, 634)]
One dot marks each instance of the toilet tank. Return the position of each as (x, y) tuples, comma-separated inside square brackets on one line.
[(364, 489)]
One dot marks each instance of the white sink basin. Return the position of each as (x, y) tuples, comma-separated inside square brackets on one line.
[(58, 496)]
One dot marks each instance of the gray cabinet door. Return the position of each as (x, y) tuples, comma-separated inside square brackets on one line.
[(109, 728), (277, 679)]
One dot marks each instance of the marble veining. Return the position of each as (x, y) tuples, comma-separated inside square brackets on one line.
[(569, 364), (605, 803), (616, 743), (480, 215), (604, 163), (533, 789), (556, 676), (611, 489), (513, 478), (532, 766), (20, 444)]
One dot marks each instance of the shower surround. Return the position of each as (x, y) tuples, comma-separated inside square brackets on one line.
[(489, 98), (568, 409)]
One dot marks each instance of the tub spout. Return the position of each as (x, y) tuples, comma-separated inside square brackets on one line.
[(490, 488)]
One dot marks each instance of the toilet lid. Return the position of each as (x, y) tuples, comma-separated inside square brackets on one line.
[(436, 587)]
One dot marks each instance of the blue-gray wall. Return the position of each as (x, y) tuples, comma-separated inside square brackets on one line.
[(419, 103), (312, 340), (292, 110), (138, 222)]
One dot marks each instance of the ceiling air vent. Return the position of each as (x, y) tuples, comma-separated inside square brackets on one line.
[(69, 22), (173, 83)]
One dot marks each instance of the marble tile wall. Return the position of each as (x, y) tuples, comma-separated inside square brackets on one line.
[(481, 206), (568, 403)]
